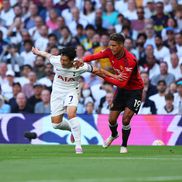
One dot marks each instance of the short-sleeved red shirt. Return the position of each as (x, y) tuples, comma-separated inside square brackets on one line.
[(126, 64)]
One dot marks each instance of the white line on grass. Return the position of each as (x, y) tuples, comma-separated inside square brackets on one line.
[(130, 158), (137, 179)]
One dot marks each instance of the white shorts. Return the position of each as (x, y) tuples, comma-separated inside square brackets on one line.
[(59, 101)]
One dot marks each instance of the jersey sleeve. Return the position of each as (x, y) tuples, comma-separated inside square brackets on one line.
[(85, 68), (55, 59), (101, 54), (127, 71)]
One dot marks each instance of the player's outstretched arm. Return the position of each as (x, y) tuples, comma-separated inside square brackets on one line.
[(103, 73), (37, 52)]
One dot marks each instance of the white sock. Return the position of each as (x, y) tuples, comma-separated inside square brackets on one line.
[(63, 125), (76, 130)]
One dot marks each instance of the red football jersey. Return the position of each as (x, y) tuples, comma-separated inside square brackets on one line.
[(127, 64)]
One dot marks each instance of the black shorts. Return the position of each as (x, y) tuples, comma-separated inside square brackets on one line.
[(127, 98)]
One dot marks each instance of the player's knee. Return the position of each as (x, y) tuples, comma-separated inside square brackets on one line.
[(112, 121), (126, 120)]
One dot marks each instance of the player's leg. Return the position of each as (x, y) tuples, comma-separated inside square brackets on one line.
[(59, 123), (113, 127), (75, 127), (126, 129), (132, 106)]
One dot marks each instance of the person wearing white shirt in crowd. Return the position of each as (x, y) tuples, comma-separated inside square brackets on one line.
[(35, 31), (7, 89), (47, 80), (174, 65), (178, 97), (43, 39), (159, 98), (76, 19), (108, 103), (163, 75), (3, 70), (131, 12), (160, 51), (169, 107), (178, 39), (7, 13), (27, 55)]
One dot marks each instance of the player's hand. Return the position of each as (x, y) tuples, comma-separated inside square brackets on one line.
[(35, 50), (78, 63), (122, 77)]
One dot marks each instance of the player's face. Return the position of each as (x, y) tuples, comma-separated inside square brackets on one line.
[(66, 62), (115, 47)]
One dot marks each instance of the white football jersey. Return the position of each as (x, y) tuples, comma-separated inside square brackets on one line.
[(67, 79)]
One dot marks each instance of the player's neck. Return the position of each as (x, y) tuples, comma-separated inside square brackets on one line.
[(120, 54)]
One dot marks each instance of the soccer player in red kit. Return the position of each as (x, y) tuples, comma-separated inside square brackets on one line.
[(129, 91)]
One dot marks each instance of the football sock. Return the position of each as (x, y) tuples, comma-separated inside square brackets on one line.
[(63, 125), (125, 134), (76, 130), (113, 129)]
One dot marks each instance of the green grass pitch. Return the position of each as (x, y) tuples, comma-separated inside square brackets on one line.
[(58, 163)]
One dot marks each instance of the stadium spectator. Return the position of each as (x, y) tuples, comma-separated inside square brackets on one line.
[(65, 40), (44, 105), (160, 19), (27, 88), (43, 39), (150, 33), (178, 97), (25, 70), (89, 108), (163, 75), (52, 22), (16, 89), (148, 87), (174, 65), (159, 98), (28, 56), (108, 103), (139, 24), (178, 39), (48, 78), (172, 88), (89, 12), (131, 12), (149, 63), (35, 31), (7, 89), (147, 105), (4, 108), (7, 11), (22, 106), (161, 51), (3, 70), (33, 11), (39, 67), (76, 19), (169, 107)]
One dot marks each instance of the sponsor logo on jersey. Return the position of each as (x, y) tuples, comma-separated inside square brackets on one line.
[(128, 69), (66, 79)]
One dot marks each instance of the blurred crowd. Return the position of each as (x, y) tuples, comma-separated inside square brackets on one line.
[(153, 32)]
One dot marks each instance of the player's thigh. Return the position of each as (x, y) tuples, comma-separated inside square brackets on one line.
[(119, 100), (71, 99), (57, 104), (56, 119), (133, 100)]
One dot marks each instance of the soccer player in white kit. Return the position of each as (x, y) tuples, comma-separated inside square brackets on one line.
[(65, 91)]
